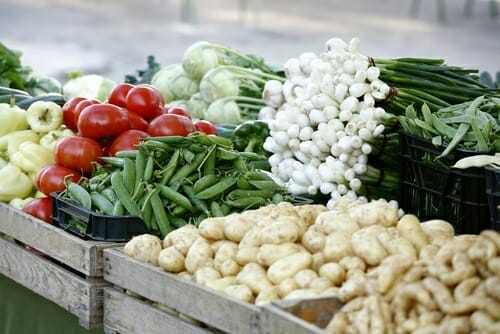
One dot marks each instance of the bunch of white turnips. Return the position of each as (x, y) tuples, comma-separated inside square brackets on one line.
[(322, 119)]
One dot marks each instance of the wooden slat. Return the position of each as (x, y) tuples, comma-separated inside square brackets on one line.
[(128, 315), (307, 316), (81, 297), (81, 255), (208, 306)]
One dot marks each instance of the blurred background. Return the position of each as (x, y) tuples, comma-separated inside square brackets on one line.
[(114, 37)]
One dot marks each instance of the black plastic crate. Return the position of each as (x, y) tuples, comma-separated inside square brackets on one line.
[(492, 177), (438, 191), (99, 227)]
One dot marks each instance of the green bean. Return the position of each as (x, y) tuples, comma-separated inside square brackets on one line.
[(265, 185), (239, 165), (205, 182), (174, 196), (155, 145), (188, 156), (113, 161), (187, 169), (224, 154), (179, 211), (169, 140), (123, 196), (209, 165), (118, 209), (147, 212), (128, 174), (169, 170), (243, 193), (248, 203), (109, 194), (211, 140), (176, 221), (252, 156), (224, 184), (102, 203), (160, 214), (243, 183), (140, 165), (463, 128), (131, 154), (148, 169), (215, 209), (198, 203), (79, 194)]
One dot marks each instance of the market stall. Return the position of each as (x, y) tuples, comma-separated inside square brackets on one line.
[(333, 193)]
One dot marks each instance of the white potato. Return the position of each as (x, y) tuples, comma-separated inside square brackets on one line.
[(288, 266), (200, 254), (270, 253), (337, 246), (235, 227), (144, 247), (279, 232), (171, 259), (212, 228)]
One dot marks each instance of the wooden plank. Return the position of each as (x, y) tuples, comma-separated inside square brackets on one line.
[(203, 304), (125, 314), (81, 297), (81, 255), (309, 316)]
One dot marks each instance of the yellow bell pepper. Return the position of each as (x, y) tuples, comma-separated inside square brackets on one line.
[(12, 118), (31, 157), (14, 183), (10, 142)]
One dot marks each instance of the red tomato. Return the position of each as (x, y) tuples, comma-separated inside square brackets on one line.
[(102, 120), (137, 122), (69, 114), (178, 111), (206, 127), (127, 140), (40, 208), (170, 125), (50, 178), (79, 108), (119, 94), (78, 153), (144, 100)]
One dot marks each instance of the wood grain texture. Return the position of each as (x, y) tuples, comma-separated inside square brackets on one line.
[(208, 306), (81, 255), (287, 316), (81, 297), (128, 315)]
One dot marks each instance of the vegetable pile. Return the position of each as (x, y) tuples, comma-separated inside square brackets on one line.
[(335, 132), (172, 181), (216, 83), (393, 275)]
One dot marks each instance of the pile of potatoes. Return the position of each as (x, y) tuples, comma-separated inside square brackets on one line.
[(394, 275)]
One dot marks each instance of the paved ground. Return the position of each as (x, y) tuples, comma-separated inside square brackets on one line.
[(114, 37)]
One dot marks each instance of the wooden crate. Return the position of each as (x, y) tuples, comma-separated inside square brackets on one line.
[(80, 296), (84, 256), (196, 301), (126, 314), (308, 316), (71, 277)]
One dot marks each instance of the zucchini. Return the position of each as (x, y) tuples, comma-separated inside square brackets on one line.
[(6, 98), (7, 91), (52, 97)]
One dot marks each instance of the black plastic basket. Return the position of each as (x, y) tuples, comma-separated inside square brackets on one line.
[(99, 227), (492, 177), (434, 191)]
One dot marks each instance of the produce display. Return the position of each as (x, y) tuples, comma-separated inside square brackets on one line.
[(393, 275), (267, 182)]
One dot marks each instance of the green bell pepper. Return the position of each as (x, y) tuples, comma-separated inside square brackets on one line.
[(250, 136)]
